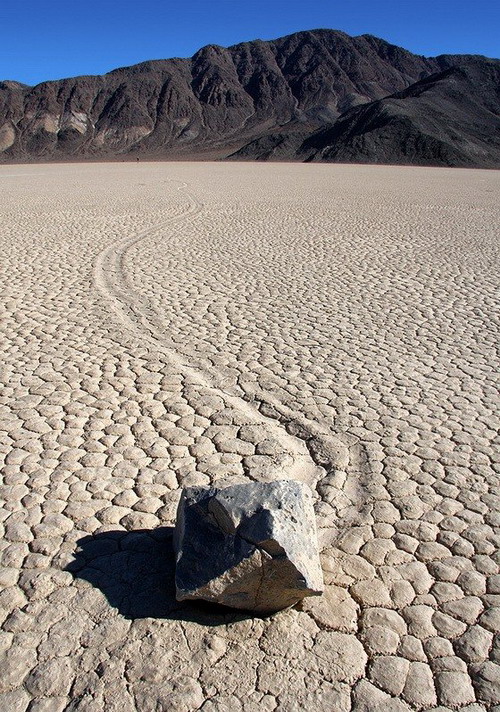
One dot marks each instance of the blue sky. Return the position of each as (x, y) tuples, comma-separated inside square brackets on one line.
[(61, 38)]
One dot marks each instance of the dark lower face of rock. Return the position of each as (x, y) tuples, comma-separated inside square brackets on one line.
[(250, 546)]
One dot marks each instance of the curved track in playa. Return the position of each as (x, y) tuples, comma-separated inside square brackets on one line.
[(335, 325), (111, 281), (322, 449)]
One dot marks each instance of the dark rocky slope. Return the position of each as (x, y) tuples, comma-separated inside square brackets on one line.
[(449, 119), (266, 97)]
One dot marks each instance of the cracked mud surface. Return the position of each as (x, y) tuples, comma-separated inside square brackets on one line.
[(166, 325)]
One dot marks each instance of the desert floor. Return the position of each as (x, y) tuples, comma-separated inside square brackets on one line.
[(174, 324)]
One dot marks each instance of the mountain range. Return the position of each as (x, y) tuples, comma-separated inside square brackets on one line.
[(317, 95)]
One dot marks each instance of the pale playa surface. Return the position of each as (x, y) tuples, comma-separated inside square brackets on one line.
[(177, 324)]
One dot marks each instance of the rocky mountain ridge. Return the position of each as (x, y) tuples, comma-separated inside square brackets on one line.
[(451, 118), (219, 102)]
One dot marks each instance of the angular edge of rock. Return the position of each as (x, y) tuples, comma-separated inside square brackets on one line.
[(248, 546)]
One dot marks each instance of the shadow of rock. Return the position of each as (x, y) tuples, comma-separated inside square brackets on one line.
[(136, 572)]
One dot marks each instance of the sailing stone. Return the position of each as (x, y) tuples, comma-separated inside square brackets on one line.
[(249, 546)]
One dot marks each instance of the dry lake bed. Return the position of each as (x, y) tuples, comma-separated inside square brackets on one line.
[(173, 324)]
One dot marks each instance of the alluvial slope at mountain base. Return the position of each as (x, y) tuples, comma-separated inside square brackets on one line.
[(253, 100)]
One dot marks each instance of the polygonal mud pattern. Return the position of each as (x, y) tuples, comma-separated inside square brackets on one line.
[(172, 325)]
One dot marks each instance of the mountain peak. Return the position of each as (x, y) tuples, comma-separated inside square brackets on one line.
[(212, 103)]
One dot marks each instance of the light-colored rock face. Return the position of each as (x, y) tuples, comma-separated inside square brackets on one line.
[(7, 136), (250, 546), (166, 326)]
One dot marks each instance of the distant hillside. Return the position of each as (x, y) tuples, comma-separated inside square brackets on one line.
[(451, 118), (277, 99)]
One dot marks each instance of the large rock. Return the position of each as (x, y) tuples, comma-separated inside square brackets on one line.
[(251, 546)]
